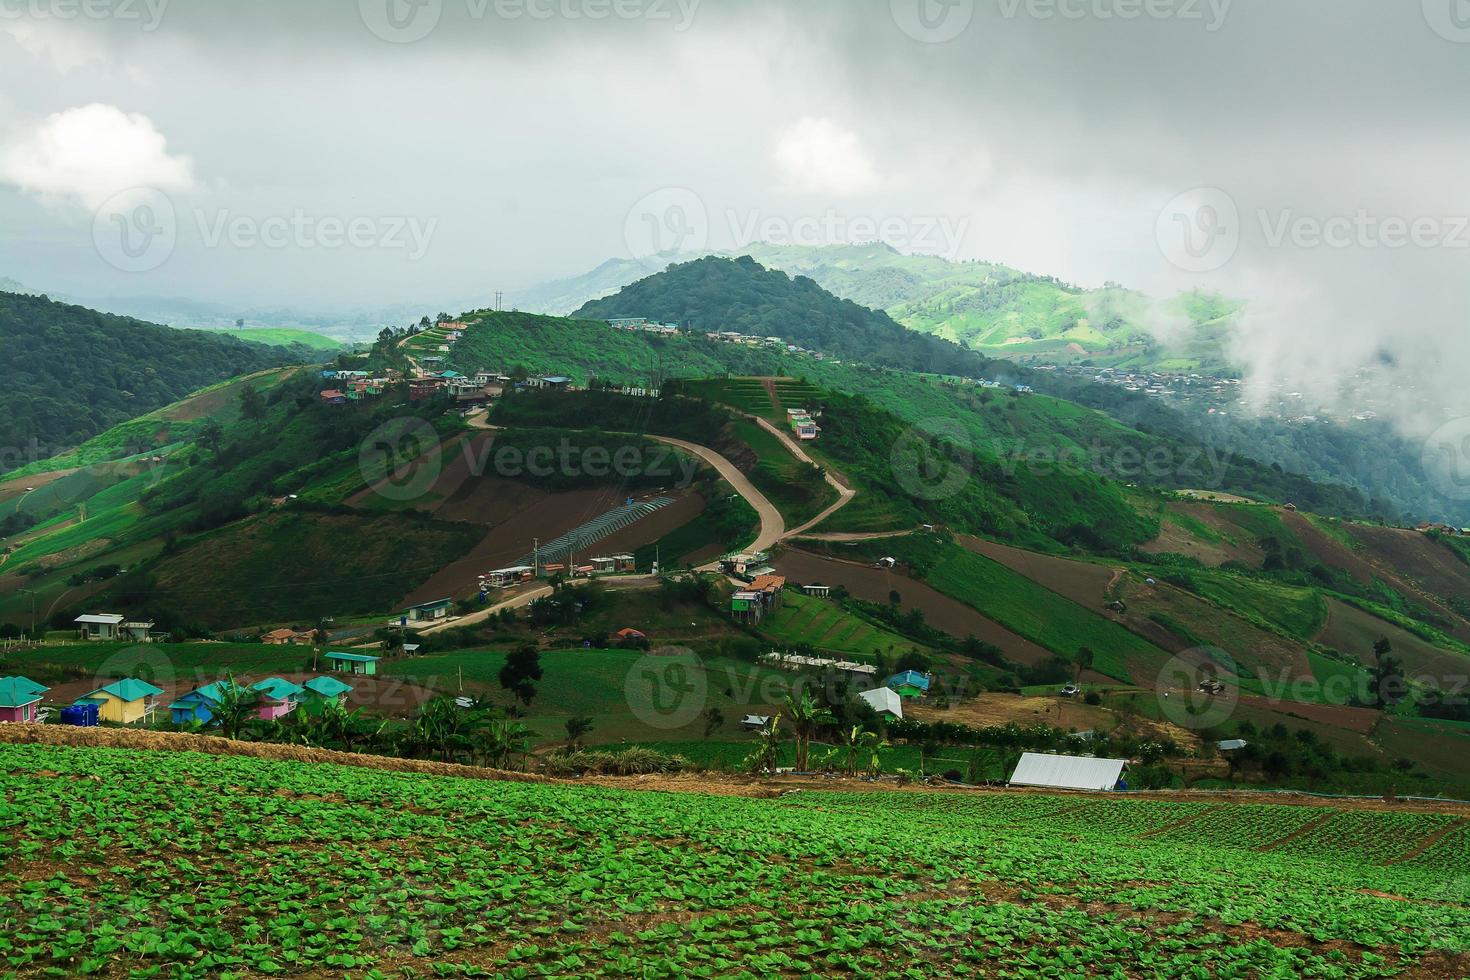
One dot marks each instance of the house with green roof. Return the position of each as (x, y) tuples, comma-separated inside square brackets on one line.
[(278, 697), (324, 689), (20, 699), (124, 702), (353, 663), (198, 705)]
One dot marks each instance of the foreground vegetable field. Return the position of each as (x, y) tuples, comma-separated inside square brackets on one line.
[(120, 862)]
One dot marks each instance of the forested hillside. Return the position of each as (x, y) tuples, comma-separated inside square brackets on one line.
[(713, 294), (74, 372)]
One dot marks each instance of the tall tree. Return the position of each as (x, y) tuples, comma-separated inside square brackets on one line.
[(521, 671)]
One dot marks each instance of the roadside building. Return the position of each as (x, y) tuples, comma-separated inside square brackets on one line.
[(430, 612), (502, 577), (353, 663)]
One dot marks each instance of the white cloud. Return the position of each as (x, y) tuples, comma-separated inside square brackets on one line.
[(817, 156), (87, 154)]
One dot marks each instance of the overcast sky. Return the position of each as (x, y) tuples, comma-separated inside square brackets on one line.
[(317, 153)]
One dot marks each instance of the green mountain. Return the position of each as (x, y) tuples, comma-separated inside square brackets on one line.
[(1003, 312), (716, 295), (75, 371), (987, 307)]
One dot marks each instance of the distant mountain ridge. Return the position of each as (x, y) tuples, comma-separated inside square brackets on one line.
[(719, 294)]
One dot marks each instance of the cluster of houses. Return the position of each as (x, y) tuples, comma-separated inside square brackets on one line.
[(1441, 528), (763, 595), (355, 386), (802, 424), (503, 578), (885, 699), (130, 700), (278, 698), (641, 324), (644, 325)]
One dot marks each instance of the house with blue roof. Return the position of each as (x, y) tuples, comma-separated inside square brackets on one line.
[(909, 684)]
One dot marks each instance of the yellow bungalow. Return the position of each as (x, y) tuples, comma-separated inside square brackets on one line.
[(124, 702)]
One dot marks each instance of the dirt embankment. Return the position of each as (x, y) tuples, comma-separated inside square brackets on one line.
[(720, 785), (119, 738)]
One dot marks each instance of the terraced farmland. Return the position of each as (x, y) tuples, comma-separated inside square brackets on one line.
[(122, 862), (828, 627)]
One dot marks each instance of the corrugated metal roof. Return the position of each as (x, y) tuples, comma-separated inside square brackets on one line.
[(100, 619), (1067, 772), (884, 699)]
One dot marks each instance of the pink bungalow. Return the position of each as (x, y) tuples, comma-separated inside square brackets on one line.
[(278, 697), (20, 699)]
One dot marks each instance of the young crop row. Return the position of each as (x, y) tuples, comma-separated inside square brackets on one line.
[(1366, 835), (116, 862)]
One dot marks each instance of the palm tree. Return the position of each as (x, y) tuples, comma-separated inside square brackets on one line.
[(443, 728), (767, 750), (853, 741), (500, 740), (806, 717), (874, 743), (237, 704)]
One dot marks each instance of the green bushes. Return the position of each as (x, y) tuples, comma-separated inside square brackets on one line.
[(632, 761)]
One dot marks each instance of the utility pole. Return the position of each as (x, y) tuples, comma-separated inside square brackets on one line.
[(536, 557), (33, 610)]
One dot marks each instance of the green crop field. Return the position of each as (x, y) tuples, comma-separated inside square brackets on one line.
[(630, 695), (828, 627), (142, 863), (1039, 614), (283, 336)]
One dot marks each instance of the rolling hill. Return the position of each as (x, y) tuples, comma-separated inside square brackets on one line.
[(84, 371), (715, 295)]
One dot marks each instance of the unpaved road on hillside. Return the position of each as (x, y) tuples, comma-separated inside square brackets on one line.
[(845, 493), (619, 582)]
